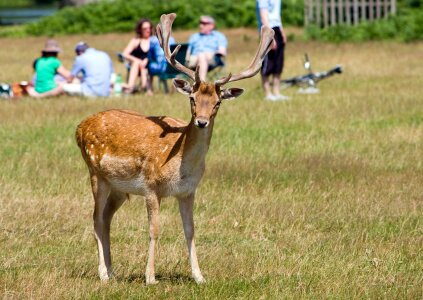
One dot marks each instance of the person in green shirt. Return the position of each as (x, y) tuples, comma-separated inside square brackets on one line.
[(47, 67)]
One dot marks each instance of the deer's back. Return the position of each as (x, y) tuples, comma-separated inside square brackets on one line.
[(130, 150)]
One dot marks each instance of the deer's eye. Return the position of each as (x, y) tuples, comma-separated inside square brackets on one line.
[(191, 99)]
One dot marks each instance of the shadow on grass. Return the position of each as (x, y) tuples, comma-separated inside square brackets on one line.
[(174, 278)]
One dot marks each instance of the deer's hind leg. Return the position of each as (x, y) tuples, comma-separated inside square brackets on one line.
[(107, 202)]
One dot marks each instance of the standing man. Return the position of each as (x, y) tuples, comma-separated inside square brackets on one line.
[(94, 68), (207, 47), (269, 14)]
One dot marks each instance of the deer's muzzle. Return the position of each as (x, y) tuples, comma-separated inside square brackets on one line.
[(201, 122)]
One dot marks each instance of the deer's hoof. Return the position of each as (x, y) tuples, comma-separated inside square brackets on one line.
[(105, 274), (150, 280), (199, 279)]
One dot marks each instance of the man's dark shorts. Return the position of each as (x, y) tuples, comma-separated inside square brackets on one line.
[(274, 60)]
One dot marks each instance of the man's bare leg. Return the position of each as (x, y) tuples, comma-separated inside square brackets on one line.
[(204, 60), (265, 80), (204, 65), (276, 80), (276, 88)]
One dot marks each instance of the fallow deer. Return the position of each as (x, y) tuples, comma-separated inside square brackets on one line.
[(156, 157)]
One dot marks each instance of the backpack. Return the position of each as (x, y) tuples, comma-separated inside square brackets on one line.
[(5, 91)]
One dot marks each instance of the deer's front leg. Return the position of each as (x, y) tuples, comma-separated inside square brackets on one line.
[(186, 209), (153, 205)]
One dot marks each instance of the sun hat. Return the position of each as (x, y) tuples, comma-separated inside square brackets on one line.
[(51, 46)]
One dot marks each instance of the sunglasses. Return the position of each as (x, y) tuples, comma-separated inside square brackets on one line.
[(204, 23)]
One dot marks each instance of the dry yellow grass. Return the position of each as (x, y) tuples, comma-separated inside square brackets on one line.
[(319, 197)]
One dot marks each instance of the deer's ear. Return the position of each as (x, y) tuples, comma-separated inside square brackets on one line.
[(232, 93), (182, 86)]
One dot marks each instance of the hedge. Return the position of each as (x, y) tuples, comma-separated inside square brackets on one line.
[(121, 15)]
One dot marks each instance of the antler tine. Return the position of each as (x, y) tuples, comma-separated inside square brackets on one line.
[(264, 47), (197, 74), (163, 34), (223, 80)]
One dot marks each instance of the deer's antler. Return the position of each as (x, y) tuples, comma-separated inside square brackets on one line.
[(265, 44), (164, 30)]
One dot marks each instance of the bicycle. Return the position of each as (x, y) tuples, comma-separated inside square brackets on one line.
[(308, 82)]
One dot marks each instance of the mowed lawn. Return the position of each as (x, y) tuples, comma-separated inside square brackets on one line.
[(318, 197)]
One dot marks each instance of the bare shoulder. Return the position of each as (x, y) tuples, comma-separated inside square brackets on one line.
[(132, 43), (133, 40)]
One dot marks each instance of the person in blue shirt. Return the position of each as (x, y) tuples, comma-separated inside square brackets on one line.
[(206, 47), (94, 69), (156, 58), (269, 14)]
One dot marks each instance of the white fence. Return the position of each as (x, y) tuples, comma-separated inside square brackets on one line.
[(326, 13)]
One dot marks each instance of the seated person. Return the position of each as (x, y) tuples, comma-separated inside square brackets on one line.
[(95, 69), (157, 63), (206, 47), (47, 67), (137, 53)]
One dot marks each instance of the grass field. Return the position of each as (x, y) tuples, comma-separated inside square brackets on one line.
[(318, 197)]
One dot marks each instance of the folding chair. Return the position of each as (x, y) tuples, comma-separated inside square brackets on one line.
[(122, 59)]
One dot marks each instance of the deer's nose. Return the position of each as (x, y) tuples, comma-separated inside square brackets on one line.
[(201, 122)]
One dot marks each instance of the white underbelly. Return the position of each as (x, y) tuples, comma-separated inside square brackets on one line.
[(134, 185), (179, 189), (137, 186)]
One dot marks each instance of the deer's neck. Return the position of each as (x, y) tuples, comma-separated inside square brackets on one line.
[(197, 141)]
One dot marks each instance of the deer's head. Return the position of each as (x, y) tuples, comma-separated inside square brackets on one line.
[(205, 97)]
